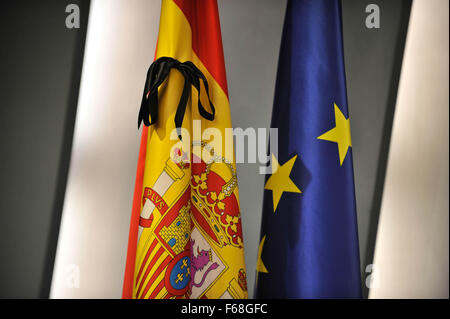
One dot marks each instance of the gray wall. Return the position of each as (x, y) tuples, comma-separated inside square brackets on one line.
[(373, 59), (251, 34), (39, 76)]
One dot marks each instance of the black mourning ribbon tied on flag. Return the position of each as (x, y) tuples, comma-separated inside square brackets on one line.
[(157, 73)]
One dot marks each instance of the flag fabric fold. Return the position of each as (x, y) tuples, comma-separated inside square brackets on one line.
[(309, 240), (185, 236)]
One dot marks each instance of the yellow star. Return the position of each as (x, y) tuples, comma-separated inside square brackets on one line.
[(340, 134), (279, 181), (259, 263)]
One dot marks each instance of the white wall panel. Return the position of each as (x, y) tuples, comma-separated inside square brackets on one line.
[(93, 238), (411, 255)]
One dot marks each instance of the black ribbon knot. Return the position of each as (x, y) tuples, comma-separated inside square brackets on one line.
[(157, 73)]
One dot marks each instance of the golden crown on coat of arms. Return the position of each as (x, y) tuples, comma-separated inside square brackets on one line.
[(215, 206)]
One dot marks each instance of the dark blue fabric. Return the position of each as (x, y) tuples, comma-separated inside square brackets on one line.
[(311, 246)]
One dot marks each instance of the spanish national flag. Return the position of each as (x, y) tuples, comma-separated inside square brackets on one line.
[(185, 236)]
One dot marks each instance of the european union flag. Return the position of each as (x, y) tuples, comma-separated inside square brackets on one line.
[(309, 238)]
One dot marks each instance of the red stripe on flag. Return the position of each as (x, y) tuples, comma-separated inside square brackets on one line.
[(203, 16), (157, 290), (127, 291), (150, 266), (152, 279), (152, 246)]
